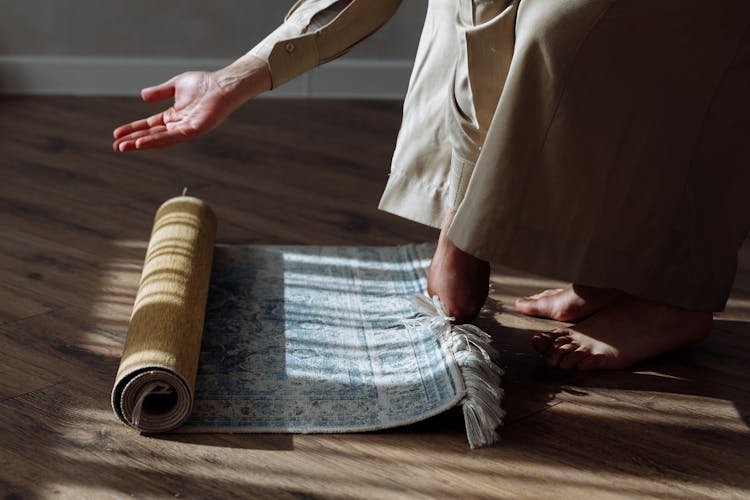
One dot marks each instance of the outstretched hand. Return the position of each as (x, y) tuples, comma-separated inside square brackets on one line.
[(202, 100)]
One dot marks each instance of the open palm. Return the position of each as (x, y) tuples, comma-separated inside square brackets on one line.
[(200, 104)]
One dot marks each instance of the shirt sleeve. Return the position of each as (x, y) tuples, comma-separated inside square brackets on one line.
[(318, 31)]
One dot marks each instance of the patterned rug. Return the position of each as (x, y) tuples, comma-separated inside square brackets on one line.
[(331, 339)]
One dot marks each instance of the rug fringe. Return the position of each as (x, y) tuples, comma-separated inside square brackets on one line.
[(471, 349)]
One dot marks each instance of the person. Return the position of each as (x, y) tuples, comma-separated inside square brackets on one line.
[(601, 142)]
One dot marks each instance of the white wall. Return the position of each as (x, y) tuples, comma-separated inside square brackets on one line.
[(116, 47)]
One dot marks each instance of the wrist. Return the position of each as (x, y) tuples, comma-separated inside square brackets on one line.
[(244, 79)]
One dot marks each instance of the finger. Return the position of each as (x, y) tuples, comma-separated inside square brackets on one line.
[(162, 139), (135, 126), (131, 138), (124, 146), (158, 92), (157, 129), (146, 123)]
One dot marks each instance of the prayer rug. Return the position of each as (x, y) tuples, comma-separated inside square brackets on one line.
[(309, 339)]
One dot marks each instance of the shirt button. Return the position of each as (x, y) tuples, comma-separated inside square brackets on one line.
[(289, 47)]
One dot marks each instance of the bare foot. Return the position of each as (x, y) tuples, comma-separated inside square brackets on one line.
[(623, 334), (459, 279), (571, 303)]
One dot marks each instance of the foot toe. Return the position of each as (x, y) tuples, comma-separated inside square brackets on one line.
[(527, 306), (561, 344), (571, 359), (537, 305), (545, 293), (542, 341), (573, 303), (562, 340), (556, 354)]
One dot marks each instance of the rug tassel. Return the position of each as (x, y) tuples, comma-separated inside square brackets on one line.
[(471, 349)]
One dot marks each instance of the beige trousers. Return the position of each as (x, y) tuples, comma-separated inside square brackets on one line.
[(602, 142)]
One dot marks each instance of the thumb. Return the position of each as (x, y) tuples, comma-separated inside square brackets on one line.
[(158, 92)]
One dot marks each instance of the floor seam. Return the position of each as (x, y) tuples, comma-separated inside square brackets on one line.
[(17, 396), (51, 311)]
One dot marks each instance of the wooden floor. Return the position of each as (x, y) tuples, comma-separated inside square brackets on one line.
[(74, 221)]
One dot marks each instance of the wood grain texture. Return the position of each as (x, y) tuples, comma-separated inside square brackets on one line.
[(75, 221)]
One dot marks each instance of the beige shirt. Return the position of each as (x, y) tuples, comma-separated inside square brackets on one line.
[(318, 31), (601, 142)]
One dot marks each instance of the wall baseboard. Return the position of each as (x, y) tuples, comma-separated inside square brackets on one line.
[(344, 78)]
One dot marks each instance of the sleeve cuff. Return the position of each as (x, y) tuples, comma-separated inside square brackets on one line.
[(288, 53), (290, 50)]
